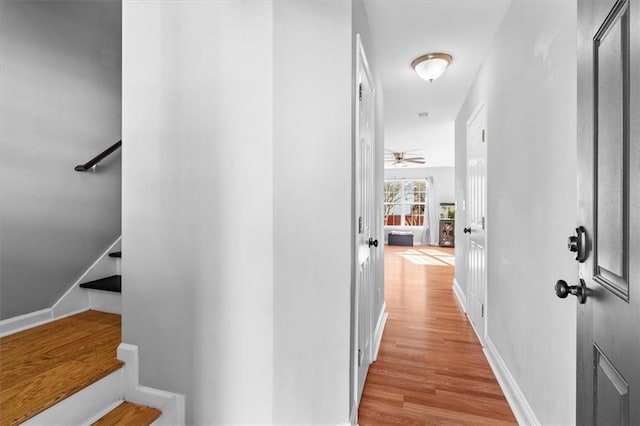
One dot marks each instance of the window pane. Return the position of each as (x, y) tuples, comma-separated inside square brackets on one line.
[(404, 202), (415, 216)]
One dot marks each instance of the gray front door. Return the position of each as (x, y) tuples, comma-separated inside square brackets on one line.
[(608, 367)]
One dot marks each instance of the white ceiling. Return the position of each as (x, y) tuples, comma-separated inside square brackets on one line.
[(402, 30)]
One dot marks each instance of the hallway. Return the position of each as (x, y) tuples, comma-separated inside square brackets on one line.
[(430, 367)]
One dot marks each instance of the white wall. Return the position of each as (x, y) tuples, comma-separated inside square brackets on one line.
[(198, 224), (443, 192), (528, 82), (313, 205), (60, 105), (228, 104)]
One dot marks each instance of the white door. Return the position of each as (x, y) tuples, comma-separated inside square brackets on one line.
[(476, 219), (364, 231)]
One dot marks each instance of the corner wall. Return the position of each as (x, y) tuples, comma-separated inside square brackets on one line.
[(312, 166), (237, 206), (528, 82), (198, 224), (60, 105)]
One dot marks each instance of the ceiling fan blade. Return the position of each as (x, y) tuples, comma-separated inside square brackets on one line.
[(415, 160)]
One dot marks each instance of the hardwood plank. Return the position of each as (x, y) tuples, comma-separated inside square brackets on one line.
[(129, 414), (43, 365), (430, 368)]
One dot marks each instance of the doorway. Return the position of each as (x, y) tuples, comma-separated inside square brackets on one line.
[(476, 219)]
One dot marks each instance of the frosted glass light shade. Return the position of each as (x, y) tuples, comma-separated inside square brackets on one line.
[(431, 66)]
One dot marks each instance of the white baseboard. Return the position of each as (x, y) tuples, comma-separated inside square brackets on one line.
[(23, 322), (33, 319), (76, 298), (377, 334), (83, 405), (517, 401), (457, 290), (171, 404)]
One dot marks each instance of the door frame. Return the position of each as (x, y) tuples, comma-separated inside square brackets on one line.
[(482, 104), (361, 66)]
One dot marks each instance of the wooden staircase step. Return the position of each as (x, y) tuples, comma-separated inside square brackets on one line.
[(115, 254), (112, 283), (129, 414), (46, 364)]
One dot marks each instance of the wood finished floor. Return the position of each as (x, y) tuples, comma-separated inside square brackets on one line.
[(430, 369), (43, 365), (129, 414)]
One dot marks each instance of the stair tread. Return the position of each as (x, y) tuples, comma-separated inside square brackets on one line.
[(115, 254), (43, 365), (112, 283), (129, 414)]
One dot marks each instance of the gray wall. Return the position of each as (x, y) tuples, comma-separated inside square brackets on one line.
[(60, 67), (443, 192), (528, 82)]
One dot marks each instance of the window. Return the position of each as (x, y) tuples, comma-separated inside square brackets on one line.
[(405, 201)]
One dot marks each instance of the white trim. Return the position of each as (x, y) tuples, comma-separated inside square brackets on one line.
[(27, 321), (377, 334), (82, 405), (457, 290), (76, 298), (103, 413), (23, 322), (517, 401), (171, 404)]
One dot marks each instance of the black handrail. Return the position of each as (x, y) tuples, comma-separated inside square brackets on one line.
[(98, 158)]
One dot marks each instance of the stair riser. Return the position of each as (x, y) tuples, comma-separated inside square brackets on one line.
[(105, 301), (83, 405), (76, 298)]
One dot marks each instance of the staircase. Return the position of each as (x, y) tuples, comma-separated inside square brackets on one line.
[(75, 371)]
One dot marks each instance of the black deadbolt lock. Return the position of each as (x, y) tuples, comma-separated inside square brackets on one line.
[(578, 244)]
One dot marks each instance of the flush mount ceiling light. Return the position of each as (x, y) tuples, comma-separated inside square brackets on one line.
[(431, 66)]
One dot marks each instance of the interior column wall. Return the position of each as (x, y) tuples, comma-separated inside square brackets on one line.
[(313, 210), (198, 225)]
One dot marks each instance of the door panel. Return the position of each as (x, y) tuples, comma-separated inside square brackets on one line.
[(608, 377), (611, 146), (476, 212)]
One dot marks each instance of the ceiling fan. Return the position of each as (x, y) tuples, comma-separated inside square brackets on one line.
[(403, 158)]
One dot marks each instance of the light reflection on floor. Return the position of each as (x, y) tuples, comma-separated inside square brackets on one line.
[(428, 256)]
